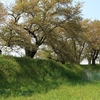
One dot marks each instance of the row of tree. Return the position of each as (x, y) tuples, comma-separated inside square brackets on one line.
[(56, 25)]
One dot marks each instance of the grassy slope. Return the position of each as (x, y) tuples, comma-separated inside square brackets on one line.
[(20, 78)]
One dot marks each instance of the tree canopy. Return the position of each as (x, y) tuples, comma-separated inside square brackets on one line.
[(57, 24), (3, 12)]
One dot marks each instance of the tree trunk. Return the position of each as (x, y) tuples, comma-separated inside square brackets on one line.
[(94, 56), (93, 61), (30, 53), (89, 61)]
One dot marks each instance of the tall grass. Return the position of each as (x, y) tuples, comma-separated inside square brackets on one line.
[(68, 91), (25, 76), (37, 79)]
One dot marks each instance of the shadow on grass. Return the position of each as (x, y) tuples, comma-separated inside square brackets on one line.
[(28, 76), (27, 87)]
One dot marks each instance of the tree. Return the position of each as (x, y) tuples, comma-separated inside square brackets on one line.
[(3, 12), (68, 43), (93, 40), (37, 22), (68, 34), (52, 22), (85, 50)]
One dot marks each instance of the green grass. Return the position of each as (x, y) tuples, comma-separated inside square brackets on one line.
[(69, 91), (36, 79)]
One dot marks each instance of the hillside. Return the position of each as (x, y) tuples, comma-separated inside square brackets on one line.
[(26, 76)]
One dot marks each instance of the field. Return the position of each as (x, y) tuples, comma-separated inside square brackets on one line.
[(68, 91), (28, 79)]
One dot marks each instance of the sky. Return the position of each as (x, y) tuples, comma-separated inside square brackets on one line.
[(90, 8), (7, 2)]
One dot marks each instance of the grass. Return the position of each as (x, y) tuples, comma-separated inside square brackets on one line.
[(68, 91), (72, 92), (28, 79)]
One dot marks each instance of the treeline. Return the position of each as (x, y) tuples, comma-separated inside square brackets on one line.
[(52, 29)]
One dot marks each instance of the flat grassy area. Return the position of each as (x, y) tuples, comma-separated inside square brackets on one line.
[(36, 79), (69, 91)]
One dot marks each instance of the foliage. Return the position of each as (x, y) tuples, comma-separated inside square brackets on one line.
[(3, 12), (92, 36), (53, 24), (33, 23), (3, 16)]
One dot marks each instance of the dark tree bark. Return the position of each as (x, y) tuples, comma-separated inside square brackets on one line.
[(30, 53), (0, 51), (93, 61), (94, 56)]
